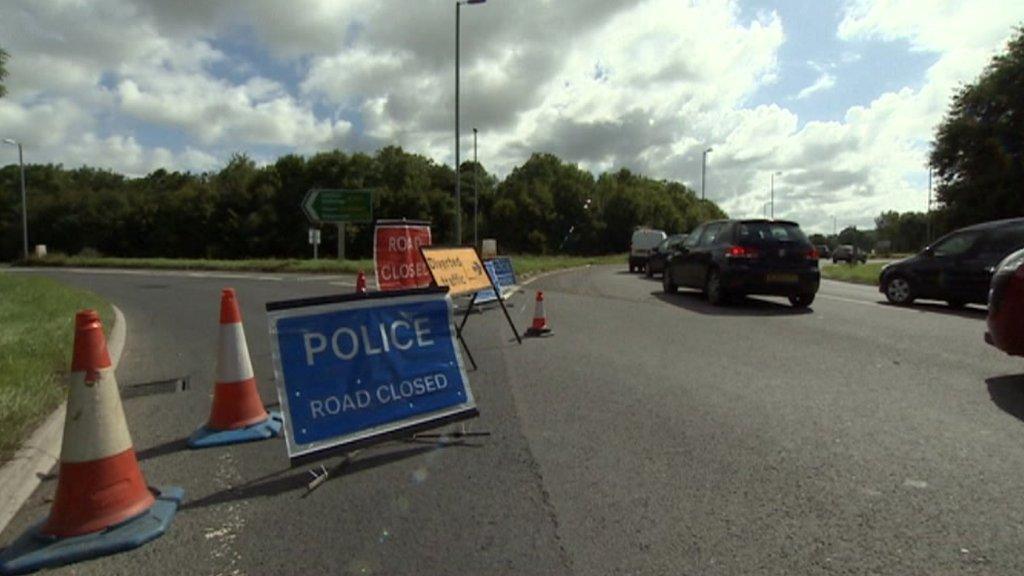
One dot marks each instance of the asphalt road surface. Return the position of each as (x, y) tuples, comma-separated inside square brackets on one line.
[(652, 434)]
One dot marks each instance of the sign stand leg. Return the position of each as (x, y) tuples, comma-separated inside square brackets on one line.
[(511, 325)]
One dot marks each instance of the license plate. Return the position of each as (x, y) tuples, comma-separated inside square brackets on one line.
[(783, 279)]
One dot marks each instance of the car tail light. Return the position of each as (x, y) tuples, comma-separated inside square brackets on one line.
[(742, 252), (812, 254)]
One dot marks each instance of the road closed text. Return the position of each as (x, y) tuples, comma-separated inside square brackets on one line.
[(406, 390)]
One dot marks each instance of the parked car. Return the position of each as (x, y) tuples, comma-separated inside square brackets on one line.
[(656, 261), (640, 246), (824, 252), (957, 268), (850, 254), (1006, 305), (728, 258)]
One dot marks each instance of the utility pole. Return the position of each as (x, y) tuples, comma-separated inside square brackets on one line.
[(24, 203), (476, 190), (703, 169), (458, 175), (928, 216), (774, 174)]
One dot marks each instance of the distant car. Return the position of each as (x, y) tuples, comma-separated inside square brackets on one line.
[(824, 252), (656, 261), (850, 254), (728, 258), (1006, 305), (640, 246), (957, 268)]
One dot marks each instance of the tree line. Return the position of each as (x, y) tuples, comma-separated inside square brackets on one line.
[(244, 210)]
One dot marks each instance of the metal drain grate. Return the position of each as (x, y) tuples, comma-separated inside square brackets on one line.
[(171, 386)]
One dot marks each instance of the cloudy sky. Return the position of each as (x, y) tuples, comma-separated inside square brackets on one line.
[(841, 97)]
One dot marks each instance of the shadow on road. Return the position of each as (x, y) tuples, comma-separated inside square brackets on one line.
[(276, 483), (164, 449), (1008, 393), (695, 302), (941, 308)]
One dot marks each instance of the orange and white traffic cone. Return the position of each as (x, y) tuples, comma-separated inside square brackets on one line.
[(540, 322), (361, 283), (237, 414), (102, 504)]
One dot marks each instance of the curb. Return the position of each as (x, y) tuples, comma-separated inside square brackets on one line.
[(41, 451)]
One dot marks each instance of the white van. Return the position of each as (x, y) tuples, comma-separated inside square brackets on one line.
[(644, 240)]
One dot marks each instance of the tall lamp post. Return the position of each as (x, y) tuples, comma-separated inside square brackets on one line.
[(928, 216), (772, 189), (704, 169), (24, 204), (476, 190), (458, 175)]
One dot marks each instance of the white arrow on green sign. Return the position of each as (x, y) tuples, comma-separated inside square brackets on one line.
[(338, 206)]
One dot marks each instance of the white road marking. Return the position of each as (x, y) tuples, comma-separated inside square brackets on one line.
[(850, 300)]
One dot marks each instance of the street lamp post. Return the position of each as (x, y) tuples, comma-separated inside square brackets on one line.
[(774, 174), (476, 190), (703, 170), (458, 175), (928, 216), (24, 204)]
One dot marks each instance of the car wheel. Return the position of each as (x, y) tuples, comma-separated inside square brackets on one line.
[(647, 271), (801, 300), (667, 284), (713, 289), (899, 291), (835, 261), (956, 304), (632, 268)]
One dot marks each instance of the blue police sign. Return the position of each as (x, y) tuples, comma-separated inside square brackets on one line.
[(489, 295), (504, 274), (352, 370)]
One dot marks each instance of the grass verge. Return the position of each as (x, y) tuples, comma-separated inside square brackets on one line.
[(524, 265), (37, 318), (857, 273)]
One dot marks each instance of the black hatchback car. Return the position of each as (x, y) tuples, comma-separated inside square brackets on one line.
[(659, 254), (728, 258), (957, 268)]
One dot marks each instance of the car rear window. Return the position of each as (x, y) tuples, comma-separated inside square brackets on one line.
[(765, 232)]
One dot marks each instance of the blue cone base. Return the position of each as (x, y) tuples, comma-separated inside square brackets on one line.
[(33, 551), (206, 438)]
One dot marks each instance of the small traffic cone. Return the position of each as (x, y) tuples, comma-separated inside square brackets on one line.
[(102, 504), (540, 321), (237, 414), (361, 283)]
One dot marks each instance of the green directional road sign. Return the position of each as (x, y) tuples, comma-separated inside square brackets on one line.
[(338, 206)]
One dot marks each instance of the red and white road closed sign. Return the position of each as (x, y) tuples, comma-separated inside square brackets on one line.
[(396, 255)]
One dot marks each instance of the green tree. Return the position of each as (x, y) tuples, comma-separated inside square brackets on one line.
[(977, 153)]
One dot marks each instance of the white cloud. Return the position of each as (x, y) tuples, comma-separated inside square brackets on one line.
[(824, 82)]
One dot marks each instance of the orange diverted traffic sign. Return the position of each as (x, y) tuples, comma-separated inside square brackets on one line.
[(460, 269)]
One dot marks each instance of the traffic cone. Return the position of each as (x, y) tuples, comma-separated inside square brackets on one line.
[(237, 414), (361, 283), (540, 321), (102, 504)]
